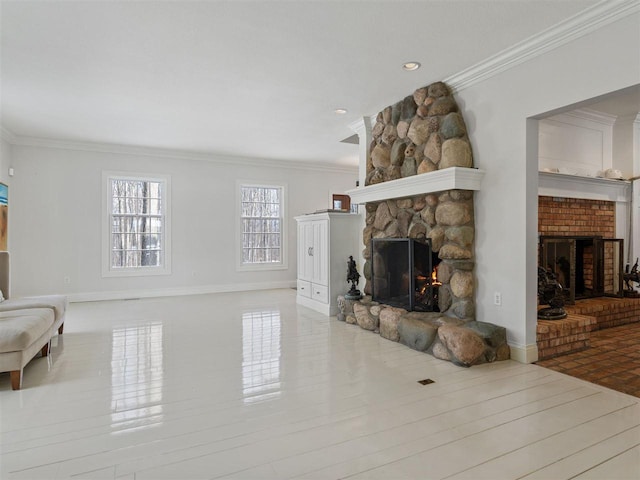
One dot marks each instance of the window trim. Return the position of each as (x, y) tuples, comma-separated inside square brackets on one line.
[(107, 269), (256, 267)]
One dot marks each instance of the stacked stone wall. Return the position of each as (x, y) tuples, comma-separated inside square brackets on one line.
[(423, 133)]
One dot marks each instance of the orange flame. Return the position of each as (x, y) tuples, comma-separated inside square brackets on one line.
[(434, 277)]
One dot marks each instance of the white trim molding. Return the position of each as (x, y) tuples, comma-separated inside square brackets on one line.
[(176, 291), (592, 116), (446, 179), (284, 230), (590, 188), (107, 199), (583, 23), (362, 127), (524, 353), (175, 154)]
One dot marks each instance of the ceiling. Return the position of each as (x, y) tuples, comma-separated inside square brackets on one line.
[(243, 78)]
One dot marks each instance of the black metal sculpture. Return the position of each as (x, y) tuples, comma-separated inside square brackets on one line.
[(631, 276), (550, 293), (353, 277)]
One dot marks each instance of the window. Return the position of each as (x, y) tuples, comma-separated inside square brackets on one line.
[(138, 224), (262, 227)]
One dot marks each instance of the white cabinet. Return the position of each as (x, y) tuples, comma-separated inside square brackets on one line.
[(325, 241)]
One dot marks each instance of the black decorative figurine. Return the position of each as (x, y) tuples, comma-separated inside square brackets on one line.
[(354, 277), (631, 276), (550, 293)]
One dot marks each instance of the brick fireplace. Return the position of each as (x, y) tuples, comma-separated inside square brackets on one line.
[(590, 227), (583, 218)]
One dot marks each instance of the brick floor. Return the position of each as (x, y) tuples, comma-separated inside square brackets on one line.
[(613, 360)]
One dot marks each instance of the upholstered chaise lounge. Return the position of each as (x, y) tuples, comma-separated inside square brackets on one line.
[(26, 325)]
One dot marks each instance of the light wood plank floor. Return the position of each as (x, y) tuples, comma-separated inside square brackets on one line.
[(251, 386)]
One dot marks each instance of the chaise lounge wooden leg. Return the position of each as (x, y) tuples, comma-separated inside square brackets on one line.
[(60, 328), (45, 349), (16, 379)]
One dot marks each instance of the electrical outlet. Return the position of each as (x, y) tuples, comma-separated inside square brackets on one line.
[(497, 298), (67, 280)]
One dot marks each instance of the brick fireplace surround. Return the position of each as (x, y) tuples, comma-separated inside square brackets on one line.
[(571, 216), (576, 217)]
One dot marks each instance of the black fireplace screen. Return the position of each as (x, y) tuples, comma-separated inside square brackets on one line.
[(403, 273), (585, 266)]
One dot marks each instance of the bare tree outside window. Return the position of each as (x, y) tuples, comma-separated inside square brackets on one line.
[(261, 217), (137, 219)]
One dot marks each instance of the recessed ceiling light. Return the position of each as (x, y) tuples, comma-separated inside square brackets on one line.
[(340, 111), (411, 66)]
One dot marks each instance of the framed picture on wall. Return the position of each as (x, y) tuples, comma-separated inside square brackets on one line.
[(4, 215)]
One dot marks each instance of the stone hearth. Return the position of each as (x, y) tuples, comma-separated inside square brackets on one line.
[(464, 343)]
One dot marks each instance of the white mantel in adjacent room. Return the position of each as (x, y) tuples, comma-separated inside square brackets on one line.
[(591, 188)]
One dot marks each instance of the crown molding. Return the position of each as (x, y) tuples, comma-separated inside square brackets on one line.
[(593, 116), (627, 119), (179, 154), (590, 19)]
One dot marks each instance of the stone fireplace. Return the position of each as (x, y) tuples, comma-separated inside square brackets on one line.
[(422, 134), (419, 190)]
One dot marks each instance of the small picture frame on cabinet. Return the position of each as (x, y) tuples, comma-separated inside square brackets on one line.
[(341, 202)]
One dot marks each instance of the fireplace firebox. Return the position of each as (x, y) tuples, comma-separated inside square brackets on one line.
[(404, 273), (585, 266)]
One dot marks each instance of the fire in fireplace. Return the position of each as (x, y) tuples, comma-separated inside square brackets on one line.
[(404, 273)]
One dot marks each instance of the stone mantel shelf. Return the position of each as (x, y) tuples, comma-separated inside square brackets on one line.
[(589, 188), (453, 178)]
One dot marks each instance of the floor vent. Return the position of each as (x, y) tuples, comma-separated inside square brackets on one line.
[(426, 381)]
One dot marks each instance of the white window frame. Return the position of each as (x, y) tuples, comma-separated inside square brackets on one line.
[(165, 267), (248, 267)]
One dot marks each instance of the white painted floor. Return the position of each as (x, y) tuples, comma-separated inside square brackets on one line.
[(252, 386)]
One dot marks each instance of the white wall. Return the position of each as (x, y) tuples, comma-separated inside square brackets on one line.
[(56, 201), (505, 146), (626, 154), (5, 160), (5, 163), (625, 151), (576, 143)]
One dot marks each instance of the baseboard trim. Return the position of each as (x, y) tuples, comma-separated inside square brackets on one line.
[(176, 291), (524, 353)]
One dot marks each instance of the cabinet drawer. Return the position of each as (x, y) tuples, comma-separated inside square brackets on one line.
[(304, 288), (320, 293)]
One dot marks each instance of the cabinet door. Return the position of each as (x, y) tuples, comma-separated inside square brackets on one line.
[(320, 251), (305, 250)]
